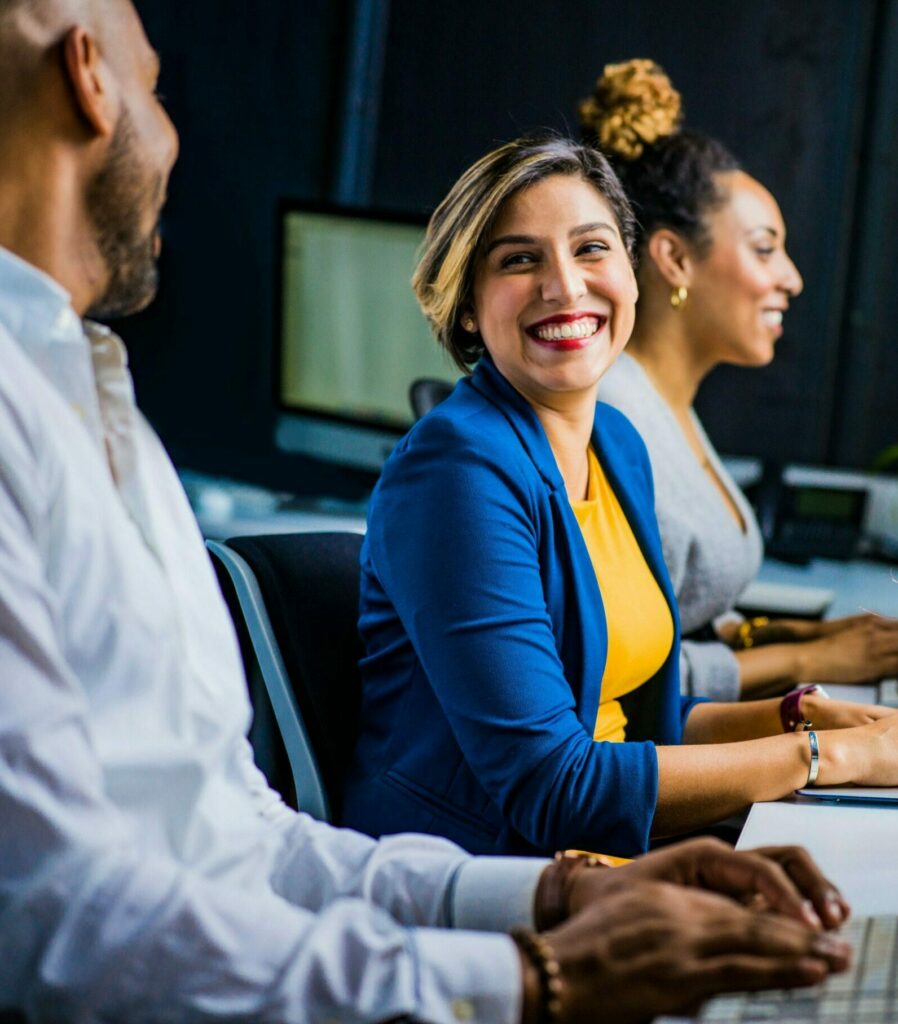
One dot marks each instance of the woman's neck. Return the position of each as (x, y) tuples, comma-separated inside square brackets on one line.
[(569, 430), (670, 360)]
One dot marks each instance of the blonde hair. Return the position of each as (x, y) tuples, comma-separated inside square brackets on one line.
[(461, 224), (633, 105)]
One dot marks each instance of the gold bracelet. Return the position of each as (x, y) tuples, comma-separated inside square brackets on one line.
[(552, 893), (745, 636)]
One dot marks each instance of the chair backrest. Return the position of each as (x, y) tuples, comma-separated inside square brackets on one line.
[(303, 626), (427, 392)]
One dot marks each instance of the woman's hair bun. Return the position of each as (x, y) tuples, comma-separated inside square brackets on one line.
[(633, 105)]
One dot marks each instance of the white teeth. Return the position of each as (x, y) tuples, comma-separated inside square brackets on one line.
[(581, 328), (772, 317)]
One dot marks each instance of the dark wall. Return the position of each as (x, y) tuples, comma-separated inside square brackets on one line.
[(252, 89), (865, 418), (259, 93)]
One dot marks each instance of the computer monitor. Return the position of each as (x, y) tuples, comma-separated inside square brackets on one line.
[(351, 338)]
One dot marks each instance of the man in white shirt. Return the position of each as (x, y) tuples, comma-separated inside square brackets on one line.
[(147, 873)]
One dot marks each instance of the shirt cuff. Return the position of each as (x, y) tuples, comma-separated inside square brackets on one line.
[(709, 669), (467, 977), (495, 894)]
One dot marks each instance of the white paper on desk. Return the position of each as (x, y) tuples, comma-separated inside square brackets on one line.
[(853, 794), (785, 599)]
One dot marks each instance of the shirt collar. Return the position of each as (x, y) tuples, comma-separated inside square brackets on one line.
[(33, 306), (86, 363)]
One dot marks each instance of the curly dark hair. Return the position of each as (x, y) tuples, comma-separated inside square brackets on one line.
[(669, 173), (672, 184)]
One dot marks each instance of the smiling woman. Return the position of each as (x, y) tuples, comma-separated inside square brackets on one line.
[(521, 669), (715, 284), (554, 292)]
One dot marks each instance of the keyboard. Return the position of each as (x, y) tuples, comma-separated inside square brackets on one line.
[(865, 994), (887, 693)]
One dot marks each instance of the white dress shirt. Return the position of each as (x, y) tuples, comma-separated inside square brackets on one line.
[(147, 872)]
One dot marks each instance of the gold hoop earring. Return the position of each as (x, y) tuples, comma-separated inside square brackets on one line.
[(678, 297)]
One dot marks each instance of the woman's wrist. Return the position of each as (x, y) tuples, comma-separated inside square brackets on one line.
[(798, 709), (812, 702), (803, 664), (771, 669), (747, 632), (842, 757)]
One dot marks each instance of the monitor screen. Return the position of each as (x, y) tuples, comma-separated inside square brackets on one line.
[(352, 338)]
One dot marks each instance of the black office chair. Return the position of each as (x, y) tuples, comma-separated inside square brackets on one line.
[(295, 598), (426, 393)]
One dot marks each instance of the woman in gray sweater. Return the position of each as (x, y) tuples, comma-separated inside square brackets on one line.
[(715, 281)]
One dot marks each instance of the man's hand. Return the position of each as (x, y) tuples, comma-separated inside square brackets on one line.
[(649, 948), (784, 879)]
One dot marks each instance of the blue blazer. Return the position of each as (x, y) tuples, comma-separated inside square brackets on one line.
[(485, 640)]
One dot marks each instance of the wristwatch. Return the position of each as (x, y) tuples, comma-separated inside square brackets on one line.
[(790, 708)]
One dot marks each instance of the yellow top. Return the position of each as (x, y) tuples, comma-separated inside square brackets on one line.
[(640, 626)]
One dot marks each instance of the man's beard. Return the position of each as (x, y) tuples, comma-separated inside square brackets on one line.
[(116, 204)]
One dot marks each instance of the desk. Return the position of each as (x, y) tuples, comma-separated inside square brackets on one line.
[(855, 845), (226, 508), (859, 585)]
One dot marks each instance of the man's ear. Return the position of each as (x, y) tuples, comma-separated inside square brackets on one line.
[(90, 81), (672, 257)]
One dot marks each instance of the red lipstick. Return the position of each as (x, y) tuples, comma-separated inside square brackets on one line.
[(566, 332)]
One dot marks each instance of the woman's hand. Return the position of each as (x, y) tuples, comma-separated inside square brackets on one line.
[(801, 630), (866, 756), (863, 649), (840, 714), (784, 879), (652, 948)]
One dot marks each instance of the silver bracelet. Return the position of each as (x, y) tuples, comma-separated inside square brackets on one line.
[(814, 769)]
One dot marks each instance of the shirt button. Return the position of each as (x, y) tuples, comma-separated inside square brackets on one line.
[(463, 1009)]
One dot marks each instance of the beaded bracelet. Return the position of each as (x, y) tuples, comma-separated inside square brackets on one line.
[(542, 956)]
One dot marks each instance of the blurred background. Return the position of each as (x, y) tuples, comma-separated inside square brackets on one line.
[(380, 104)]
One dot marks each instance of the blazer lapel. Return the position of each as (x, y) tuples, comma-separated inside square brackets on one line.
[(581, 630), (524, 421)]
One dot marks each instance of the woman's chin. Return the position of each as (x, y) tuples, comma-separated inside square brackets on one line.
[(756, 356), (575, 380)]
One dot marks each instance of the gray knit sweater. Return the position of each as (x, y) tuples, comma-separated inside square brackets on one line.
[(709, 558)]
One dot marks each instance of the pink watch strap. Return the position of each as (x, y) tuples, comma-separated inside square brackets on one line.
[(790, 707)]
